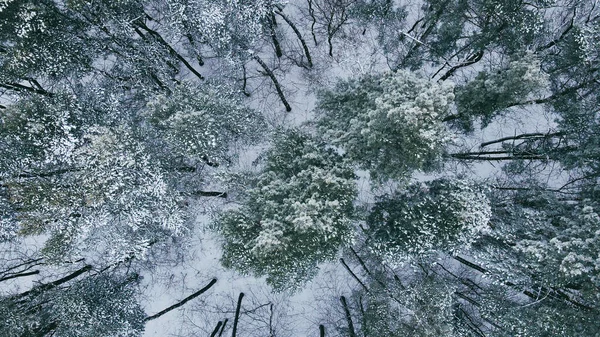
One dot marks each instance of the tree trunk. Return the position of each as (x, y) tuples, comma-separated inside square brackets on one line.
[(237, 315), (351, 332), (216, 330)]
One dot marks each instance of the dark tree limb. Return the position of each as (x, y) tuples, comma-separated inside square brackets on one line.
[(193, 44), (245, 81), (208, 161), (321, 330), (364, 267), (44, 331), (182, 302), (330, 34), (414, 25), (499, 155), (223, 327), (298, 34), (237, 315), (60, 281), (271, 331), (470, 264), (522, 136), (17, 275), (288, 108), (209, 194), (171, 50), (311, 11), (351, 332), (353, 274), (57, 172), (466, 282), (470, 323), (23, 88), (431, 24), (467, 298), (559, 292), (276, 43), (216, 330), (159, 82), (31, 263), (471, 60), (562, 35), (566, 91)]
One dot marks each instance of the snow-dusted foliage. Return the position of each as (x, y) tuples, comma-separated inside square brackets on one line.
[(489, 93), (560, 242), (390, 124), (424, 307), (428, 217), (101, 177), (92, 188), (200, 123), (297, 214), (101, 306), (231, 28)]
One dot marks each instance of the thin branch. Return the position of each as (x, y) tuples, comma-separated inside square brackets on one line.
[(488, 155), (561, 293), (521, 136), (463, 281), (467, 298), (182, 302), (471, 60), (472, 325), (562, 35), (271, 320), (193, 44), (31, 262), (558, 94)]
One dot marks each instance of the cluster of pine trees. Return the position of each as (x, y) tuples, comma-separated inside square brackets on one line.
[(118, 118)]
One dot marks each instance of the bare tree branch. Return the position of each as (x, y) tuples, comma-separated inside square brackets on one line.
[(173, 52), (182, 302), (298, 34), (353, 275), (288, 108)]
